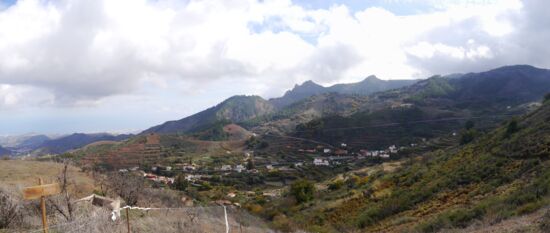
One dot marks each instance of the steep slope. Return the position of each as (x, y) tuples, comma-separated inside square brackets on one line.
[(234, 109), (485, 97), (368, 86), (504, 86), (77, 140), (503, 174), (313, 107)]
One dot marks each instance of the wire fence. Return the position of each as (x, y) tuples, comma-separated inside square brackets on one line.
[(205, 219)]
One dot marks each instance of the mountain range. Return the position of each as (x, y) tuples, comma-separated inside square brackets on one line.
[(460, 94), (43, 144), (77, 140), (243, 108), (368, 86), (504, 90)]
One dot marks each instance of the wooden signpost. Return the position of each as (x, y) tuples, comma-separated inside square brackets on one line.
[(41, 191)]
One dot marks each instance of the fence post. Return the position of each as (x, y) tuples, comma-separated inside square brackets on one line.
[(226, 222), (128, 219), (43, 207)]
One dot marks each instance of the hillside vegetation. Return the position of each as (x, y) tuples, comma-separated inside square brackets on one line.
[(504, 173)]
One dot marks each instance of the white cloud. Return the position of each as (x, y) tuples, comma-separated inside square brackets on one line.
[(88, 52)]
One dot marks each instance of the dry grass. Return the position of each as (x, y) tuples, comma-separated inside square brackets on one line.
[(16, 174)]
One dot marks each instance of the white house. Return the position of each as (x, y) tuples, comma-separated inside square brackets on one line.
[(326, 151), (393, 149), (343, 145), (226, 167), (320, 162), (239, 168)]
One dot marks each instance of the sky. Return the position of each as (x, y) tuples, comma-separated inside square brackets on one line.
[(125, 65)]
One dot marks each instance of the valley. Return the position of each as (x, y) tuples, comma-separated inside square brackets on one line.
[(426, 157)]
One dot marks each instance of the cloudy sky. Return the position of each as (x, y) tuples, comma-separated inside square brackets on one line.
[(124, 65)]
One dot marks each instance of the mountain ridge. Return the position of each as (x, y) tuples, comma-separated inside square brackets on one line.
[(234, 109), (369, 85)]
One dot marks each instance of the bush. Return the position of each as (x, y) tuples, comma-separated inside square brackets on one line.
[(467, 136), (180, 183), (336, 185), (512, 127), (9, 208), (282, 223), (451, 219), (302, 190)]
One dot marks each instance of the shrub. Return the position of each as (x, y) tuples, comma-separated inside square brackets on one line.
[(302, 190), (512, 127), (451, 219), (467, 136), (180, 183), (282, 223), (9, 208), (336, 185)]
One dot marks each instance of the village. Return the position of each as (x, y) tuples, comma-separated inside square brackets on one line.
[(319, 156)]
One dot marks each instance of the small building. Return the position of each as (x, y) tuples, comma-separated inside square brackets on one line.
[(343, 144), (226, 168), (392, 149), (269, 167), (298, 164), (239, 168), (326, 151), (320, 162), (193, 177)]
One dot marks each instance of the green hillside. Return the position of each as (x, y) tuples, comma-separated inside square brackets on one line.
[(234, 109), (503, 174)]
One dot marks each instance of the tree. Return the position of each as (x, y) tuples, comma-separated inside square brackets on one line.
[(250, 164), (302, 190), (469, 125), (467, 136), (546, 97), (512, 127), (180, 183), (127, 186), (63, 203)]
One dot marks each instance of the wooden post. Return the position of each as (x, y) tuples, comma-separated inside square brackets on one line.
[(43, 207), (41, 191), (128, 219)]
